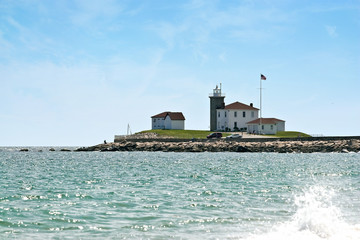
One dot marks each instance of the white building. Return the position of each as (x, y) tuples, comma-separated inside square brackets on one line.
[(168, 120), (266, 126), (235, 116)]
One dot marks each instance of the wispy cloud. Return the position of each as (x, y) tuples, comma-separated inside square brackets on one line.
[(222, 57), (331, 30), (5, 47), (203, 23), (168, 32), (86, 13), (193, 4)]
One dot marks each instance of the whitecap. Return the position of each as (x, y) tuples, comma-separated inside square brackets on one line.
[(315, 218)]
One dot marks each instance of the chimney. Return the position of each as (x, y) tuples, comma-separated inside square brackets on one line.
[(251, 104)]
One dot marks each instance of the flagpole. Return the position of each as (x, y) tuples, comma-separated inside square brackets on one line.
[(260, 103)]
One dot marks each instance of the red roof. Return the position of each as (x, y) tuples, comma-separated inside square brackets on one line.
[(172, 115), (239, 106), (176, 116), (265, 121), (161, 115)]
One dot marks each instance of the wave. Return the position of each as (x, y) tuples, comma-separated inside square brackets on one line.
[(315, 218)]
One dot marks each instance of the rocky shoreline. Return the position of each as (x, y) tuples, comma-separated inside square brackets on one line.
[(295, 146)]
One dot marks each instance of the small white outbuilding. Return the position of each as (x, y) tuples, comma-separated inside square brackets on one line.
[(265, 126)]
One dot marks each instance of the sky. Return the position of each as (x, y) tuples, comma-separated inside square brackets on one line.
[(76, 73)]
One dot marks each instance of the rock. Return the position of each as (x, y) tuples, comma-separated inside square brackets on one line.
[(65, 150), (52, 150), (222, 146), (242, 149), (345, 150), (24, 150), (354, 145)]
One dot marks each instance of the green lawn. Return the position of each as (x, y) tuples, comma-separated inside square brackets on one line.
[(290, 134), (189, 134), (183, 134)]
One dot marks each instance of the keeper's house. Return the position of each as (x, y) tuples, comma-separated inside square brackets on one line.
[(266, 126), (233, 117), (168, 120)]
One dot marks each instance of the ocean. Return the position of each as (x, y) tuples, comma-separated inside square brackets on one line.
[(156, 195)]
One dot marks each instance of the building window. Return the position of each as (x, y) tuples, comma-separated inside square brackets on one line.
[(252, 114), (225, 114), (244, 114), (154, 119), (272, 127), (235, 124), (235, 114), (262, 127)]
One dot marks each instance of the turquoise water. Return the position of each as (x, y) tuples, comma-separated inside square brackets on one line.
[(155, 195)]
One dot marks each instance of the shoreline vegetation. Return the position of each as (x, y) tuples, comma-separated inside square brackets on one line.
[(152, 142)]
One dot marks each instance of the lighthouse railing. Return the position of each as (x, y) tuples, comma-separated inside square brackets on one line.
[(216, 94)]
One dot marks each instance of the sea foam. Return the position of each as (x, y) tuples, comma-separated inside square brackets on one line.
[(316, 218)]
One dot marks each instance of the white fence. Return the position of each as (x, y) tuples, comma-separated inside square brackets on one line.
[(316, 135)]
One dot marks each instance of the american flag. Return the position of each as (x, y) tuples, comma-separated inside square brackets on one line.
[(262, 77)]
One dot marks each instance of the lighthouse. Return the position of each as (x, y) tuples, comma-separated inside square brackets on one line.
[(216, 102)]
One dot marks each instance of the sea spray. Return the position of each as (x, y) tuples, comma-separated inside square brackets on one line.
[(316, 213), (315, 218)]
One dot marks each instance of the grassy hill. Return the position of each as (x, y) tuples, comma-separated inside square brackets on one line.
[(290, 134), (183, 134), (189, 134)]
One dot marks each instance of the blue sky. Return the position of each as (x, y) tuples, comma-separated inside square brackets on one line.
[(77, 72)]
